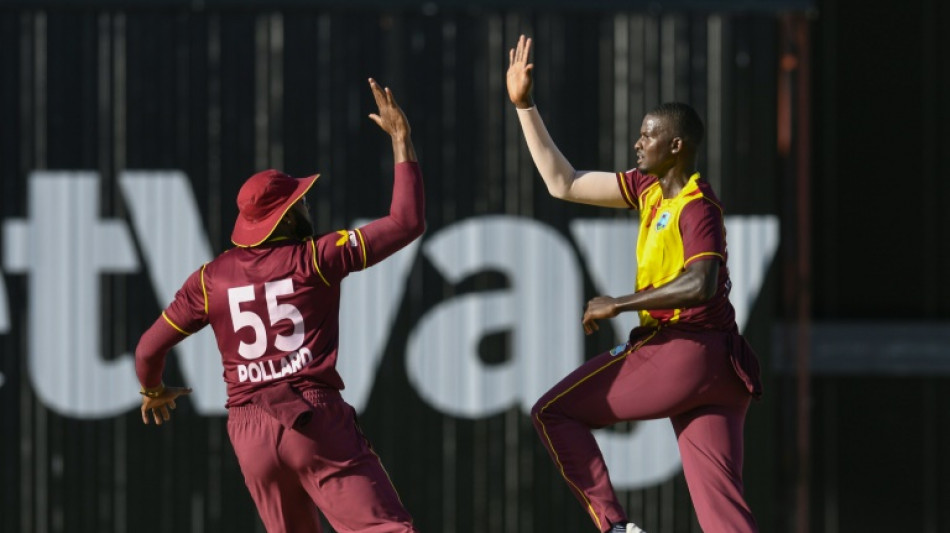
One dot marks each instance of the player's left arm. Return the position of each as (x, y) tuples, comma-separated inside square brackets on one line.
[(406, 221), (704, 244), (335, 255), (696, 285)]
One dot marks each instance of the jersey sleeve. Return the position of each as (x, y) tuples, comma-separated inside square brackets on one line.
[(632, 183), (151, 350), (703, 232), (188, 312), (335, 255)]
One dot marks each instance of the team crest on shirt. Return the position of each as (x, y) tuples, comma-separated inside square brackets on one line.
[(663, 221), (347, 236)]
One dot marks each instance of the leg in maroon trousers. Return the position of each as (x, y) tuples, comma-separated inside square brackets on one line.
[(564, 417), (665, 374), (281, 502), (342, 473), (327, 464), (710, 443)]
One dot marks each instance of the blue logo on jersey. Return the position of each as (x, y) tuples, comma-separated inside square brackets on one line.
[(617, 350), (663, 220)]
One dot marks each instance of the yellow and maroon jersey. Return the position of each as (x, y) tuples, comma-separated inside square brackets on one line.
[(674, 232), (274, 308)]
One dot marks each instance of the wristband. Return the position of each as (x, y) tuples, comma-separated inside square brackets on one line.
[(153, 392)]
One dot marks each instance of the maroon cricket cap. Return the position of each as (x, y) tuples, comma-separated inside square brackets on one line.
[(262, 202)]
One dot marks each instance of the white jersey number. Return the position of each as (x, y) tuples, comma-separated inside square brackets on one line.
[(275, 311)]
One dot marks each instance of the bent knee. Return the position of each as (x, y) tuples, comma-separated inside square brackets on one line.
[(544, 410), (537, 409)]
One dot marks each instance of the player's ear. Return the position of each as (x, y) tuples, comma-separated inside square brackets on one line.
[(676, 145)]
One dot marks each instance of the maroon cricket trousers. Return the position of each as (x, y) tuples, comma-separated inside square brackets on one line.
[(326, 464), (685, 375)]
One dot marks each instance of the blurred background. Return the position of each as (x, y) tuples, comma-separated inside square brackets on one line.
[(127, 127)]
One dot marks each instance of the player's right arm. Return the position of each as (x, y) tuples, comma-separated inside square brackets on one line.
[(150, 354), (187, 313), (560, 177)]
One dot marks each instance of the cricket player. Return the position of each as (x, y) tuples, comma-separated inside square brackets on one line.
[(686, 361), (273, 302)]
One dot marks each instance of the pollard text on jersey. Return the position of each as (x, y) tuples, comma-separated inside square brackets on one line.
[(265, 370)]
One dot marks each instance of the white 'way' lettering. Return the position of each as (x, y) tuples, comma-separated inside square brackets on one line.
[(65, 256)]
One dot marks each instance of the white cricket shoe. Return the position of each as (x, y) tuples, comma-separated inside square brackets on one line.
[(629, 527)]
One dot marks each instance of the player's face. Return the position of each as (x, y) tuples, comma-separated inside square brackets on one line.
[(654, 147)]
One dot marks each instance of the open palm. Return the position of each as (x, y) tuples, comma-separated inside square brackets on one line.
[(519, 79), (390, 116)]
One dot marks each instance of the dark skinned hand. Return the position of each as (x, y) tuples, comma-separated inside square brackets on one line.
[(599, 308), (160, 405)]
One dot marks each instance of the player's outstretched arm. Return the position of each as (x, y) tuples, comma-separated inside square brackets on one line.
[(406, 220), (560, 177), (393, 121)]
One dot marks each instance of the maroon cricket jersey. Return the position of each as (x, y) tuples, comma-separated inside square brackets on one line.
[(675, 232), (274, 308)]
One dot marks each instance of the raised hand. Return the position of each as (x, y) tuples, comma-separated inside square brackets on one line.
[(393, 121), (519, 79), (390, 117)]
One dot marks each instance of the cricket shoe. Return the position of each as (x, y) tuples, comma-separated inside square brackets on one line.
[(629, 527)]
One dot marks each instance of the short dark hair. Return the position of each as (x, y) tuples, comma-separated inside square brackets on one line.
[(684, 120)]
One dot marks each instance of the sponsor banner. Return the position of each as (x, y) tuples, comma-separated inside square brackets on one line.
[(164, 237)]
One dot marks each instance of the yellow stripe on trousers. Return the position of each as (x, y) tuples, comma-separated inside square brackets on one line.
[(544, 429)]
